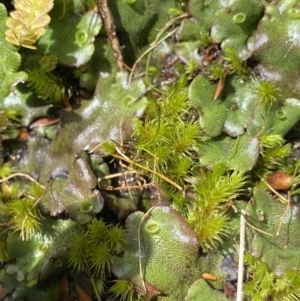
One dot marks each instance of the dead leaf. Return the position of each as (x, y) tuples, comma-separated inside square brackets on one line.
[(208, 276), (82, 295), (2, 292), (64, 284)]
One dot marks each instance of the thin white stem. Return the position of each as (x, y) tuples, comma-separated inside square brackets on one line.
[(240, 294)]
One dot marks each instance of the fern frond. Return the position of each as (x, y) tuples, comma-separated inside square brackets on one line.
[(46, 85), (26, 23)]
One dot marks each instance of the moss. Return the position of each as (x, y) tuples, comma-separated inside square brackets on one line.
[(94, 249), (263, 284), (200, 144)]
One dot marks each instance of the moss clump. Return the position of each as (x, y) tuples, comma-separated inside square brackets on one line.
[(207, 214), (267, 93), (122, 289), (263, 284), (94, 249), (165, 139)]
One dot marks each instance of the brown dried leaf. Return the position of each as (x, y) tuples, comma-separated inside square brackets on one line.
[(2, 292), (82, 295), (64, 283)]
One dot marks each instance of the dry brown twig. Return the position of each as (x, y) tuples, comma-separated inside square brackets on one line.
[(111, 32)]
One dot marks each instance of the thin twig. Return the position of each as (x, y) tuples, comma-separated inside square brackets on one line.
[(43, 194), (122, 157), (95, 289), (240, 295), (274, 191), (157, 41), (288, 201), (101, 143), (258, 230), (22, 229), (128, 187), (111, 32), (24, 175), (148, 50), (116, 175)]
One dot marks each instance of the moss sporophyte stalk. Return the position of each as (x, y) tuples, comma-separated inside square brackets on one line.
[(133, 134)]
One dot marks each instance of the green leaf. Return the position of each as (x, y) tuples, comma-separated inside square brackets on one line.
[(71, 33), (201, 291), (237, 153), (10, 60), (102, 118)]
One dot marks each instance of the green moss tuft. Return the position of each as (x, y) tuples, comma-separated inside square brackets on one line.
[(78, 253), (205, 39), (54, 293), (266, 92), (97, 231), (273, 154), (166, 137), (234, 63), (6, 169), (100, 259), (94, 249), (264, 285), (122, 290), (116, 238), (207, 216), (191, 68), (24, 217), (209, 227)]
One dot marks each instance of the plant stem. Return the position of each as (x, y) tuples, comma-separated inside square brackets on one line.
[(240, 295), (157, 41), (111, 32), (19, 174), (123, 158), (95, 289)]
